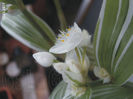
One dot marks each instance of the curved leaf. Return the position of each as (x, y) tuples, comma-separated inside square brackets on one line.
[(33, 33), (112, 92), (98, 92), (60, 90), (8, 1), (114, 39)]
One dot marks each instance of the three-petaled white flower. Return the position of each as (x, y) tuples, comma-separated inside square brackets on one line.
[(75, 68), (73, 73), (70, 39)]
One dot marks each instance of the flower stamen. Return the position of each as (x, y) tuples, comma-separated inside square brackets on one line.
[(67, 34), (62, 40), (69, 29)]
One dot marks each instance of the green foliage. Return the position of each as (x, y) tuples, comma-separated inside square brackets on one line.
[(8, 1), (98, 92), (28, 29), (113, 44), (114, 39), (60, 14), (60, 90), (112, 92)]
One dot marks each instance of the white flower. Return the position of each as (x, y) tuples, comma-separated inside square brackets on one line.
[(74, 73), (70, 39), (67, 40), (86, 39), (102, 74), (45, 59)]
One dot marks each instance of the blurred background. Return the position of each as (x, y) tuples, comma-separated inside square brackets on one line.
[(20, 76)]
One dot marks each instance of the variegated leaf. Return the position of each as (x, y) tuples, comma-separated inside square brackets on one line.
[(114, 39)]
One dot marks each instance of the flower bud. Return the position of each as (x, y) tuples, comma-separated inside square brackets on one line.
[(102, 74), (44, 58), (60, 67)]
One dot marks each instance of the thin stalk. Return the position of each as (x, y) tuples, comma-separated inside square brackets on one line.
[(60, 15), (78, 55), (84, 54), (20, 4)]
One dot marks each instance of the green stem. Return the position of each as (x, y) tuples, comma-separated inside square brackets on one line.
[(84, 54), (20, 4), (60, 14), (78, 55)]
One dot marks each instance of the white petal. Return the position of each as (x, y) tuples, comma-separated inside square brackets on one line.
[(71, 56), (86, 39), (67, 46), (60, 67), (66, 79), (73, 62), (75, 76), (75, 28), (69, 43), (44, 58), (73, 66), (97, 71)]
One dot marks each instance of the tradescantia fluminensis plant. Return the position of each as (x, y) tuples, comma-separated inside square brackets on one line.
[(112, 47)]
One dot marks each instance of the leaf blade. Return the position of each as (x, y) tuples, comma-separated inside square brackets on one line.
[(18, 26)]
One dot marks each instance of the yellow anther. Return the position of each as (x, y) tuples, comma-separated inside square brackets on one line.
[(62, 40), (67, 34), (69, 29)]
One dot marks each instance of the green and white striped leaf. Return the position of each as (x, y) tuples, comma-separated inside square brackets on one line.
[(8, 1), (59, 93), (114, 39), (112, 92), (98, 92), (28, 29)]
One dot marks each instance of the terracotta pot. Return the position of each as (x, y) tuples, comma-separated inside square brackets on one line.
[(5, 93)]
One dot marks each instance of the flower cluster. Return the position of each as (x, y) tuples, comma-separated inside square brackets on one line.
[(73, 42)]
